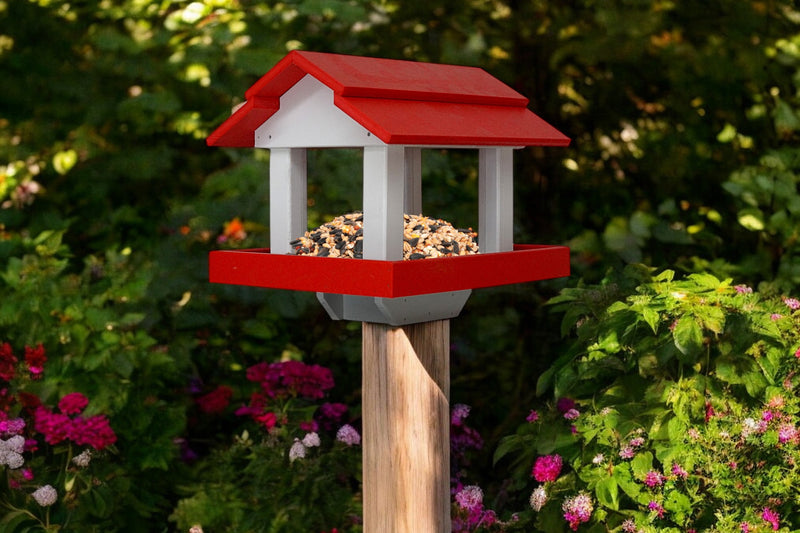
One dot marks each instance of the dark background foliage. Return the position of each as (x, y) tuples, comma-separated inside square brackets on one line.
[(683, 117)]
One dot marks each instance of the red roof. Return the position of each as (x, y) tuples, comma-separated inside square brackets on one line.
[(400, 102)]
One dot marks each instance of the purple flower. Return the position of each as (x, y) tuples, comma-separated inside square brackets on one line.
[(547, 468), (459, 413), (470, 498), (565, 404), (772, 517), (348, 435)]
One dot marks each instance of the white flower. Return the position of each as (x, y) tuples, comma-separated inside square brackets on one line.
[(348, 435), (311, 440), (45, 496), (11, 459), (538, 498), (14, 444), (82, 460), (297, 451), (598, 459)]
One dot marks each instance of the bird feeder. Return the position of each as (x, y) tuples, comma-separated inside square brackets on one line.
[(392, 110)]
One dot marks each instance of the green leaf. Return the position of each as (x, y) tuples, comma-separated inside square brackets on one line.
[(688, 338), (641, 464), (751, 218), (607, 492)]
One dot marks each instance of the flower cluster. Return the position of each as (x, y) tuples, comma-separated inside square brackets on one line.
[(283, 382), (290, 379), (28, 428), (70, 424)]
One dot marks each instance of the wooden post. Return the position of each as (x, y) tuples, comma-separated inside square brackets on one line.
[(406, 431)]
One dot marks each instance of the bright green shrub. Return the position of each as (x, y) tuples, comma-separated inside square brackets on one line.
[(678, 410)]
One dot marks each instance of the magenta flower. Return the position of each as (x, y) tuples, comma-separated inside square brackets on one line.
[(678, 471), (73, 403), (653, 479), (459, 413), (577, 509), (772, 517), (656, 508), (565, 404), (533, 416), (470, 498), (547, 468)]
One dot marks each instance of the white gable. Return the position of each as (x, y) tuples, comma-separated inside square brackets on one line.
[(309, 119)]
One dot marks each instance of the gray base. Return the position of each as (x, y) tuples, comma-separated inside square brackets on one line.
[(394, 311)]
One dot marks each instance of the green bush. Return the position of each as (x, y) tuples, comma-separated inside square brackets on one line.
[(678, 410)]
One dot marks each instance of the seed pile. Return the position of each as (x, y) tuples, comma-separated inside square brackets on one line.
[(423, 238)]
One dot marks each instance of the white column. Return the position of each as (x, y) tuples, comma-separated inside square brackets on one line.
[(384, 176), (288, 201), (413, 184), (496, 199)]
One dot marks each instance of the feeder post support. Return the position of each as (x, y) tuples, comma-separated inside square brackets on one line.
[(496, 199), (406, 427), (288, 200), (384, 178)]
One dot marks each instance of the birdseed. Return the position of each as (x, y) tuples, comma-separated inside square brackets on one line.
[(423, 238)]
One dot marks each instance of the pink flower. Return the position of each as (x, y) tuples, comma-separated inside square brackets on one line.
[(745, 527), (743, 289), (636, 442), (577, 509), (653, 479), (792, 303), (470, 498), (533, 416), (677, 471), (547, 468), (627, 453), (787, 433), (348, 435), (656, 508), (775, 316), (572, 414), (772, 517), (73, 403)]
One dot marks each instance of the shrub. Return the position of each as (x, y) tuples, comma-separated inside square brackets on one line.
[(679, 411)]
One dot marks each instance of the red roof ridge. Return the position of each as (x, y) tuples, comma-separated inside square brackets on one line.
[(395, 79)]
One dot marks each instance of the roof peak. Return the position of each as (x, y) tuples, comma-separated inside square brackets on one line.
[(397, 79)]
